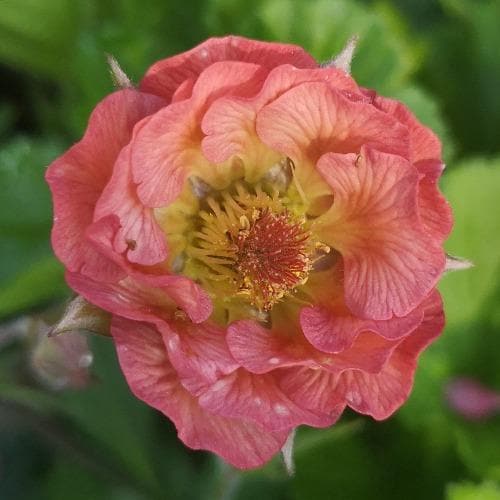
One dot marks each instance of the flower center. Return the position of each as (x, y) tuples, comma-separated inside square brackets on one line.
[(272, 257), (252, 241)]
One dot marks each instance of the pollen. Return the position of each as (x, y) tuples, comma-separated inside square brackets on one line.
[(248, 238), (271, 257)]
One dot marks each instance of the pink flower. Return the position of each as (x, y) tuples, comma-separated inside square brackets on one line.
[(472, 400), (267, 236)]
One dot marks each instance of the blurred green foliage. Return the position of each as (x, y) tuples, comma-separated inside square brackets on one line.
[(439, 57)]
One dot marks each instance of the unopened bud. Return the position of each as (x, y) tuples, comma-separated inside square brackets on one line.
[(63, 361)]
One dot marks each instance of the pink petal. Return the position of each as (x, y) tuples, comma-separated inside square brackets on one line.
[(314, 390), (261, 350), (139, 237), (378, 394), (425, 153), (313, 118), (368, 353), (230, 121), (229, 125), (160, 152), (168, 146), (78, 177), (152, 379), (381, 394), (331, 332), (434, 209), (424, 144), (128, 298), (257, 398), (390, 262), (199, 353), (145, 298), (184, 91), (165, 76), (185, 293)]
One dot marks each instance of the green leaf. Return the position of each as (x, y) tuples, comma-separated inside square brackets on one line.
[(37, 35), (30, 275), (35, 399), (67, 476), (472, 190), (470, 491), (385, 58), (40, 283), (463, 68), (25, 220), (6, 117), (25, 200), (479, 448), (112, 416), (234, 16)]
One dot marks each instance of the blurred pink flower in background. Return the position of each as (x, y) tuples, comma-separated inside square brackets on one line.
[(472, 400)]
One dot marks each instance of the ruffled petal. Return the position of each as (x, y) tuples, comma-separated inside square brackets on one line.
[(424, 144), (151, 377), (381, 394), (260, 350), (313, 118), (199, 353), (78, 177), (139, 236), (143, 298), (378, 394), (390, 262), (314, 390), (127, 298), (165, 76), (435, 211), (425, 153), (167, 147), (229, 123), (368, 353), (185, 293), (331, 332), (184, 91), (257, 398)]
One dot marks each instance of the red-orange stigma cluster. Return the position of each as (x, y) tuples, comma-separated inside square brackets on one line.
[(272, 257)]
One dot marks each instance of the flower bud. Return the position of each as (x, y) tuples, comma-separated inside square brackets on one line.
[(62, 361)]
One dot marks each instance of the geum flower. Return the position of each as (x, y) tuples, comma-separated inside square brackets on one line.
[(267, 236)]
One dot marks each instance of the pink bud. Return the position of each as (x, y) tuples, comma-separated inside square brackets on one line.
[(472, 400), (62, 361)]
